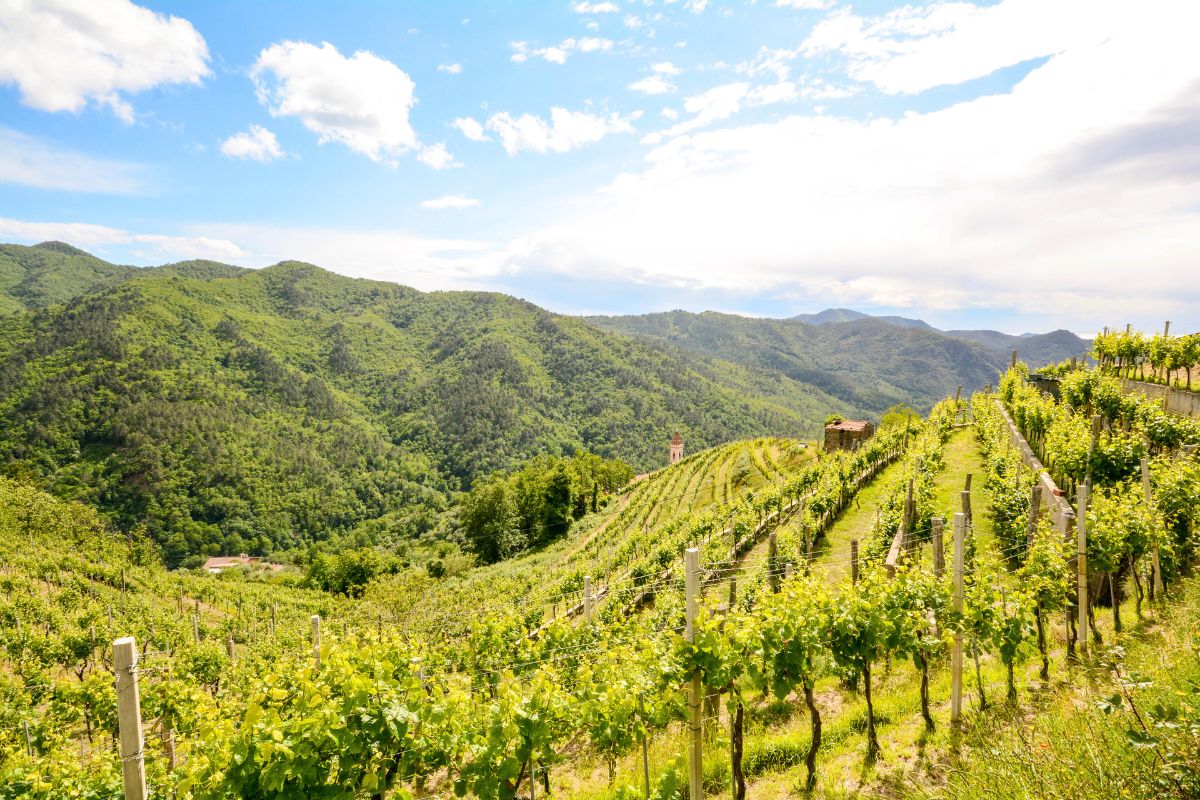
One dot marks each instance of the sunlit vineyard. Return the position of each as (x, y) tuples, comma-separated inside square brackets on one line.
[(479, 685)]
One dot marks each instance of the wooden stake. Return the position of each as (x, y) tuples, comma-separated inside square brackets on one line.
[(956, 652), (229, 648), (1035, 509), (645, 747), (196, 626), (316, 640), (1154, 553), (939, 552), (696, 760), (170, 745), (588, 599), (129, 718), (28, 739), (1081, 569), (772, 561), (854, 561)]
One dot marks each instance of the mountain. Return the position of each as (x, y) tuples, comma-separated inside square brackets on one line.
[(1037, 349), (835, 315), (51, 272), (259, 410), (866, 363)]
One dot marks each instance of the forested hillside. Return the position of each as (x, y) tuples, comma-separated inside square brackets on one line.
[(233, 410), (866, 362)]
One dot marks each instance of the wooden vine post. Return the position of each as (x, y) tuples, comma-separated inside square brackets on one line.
[(939, 552), (956, 652), (1035, 510), (588, 598), (773, 561), (129, 718), (1157, 582), (854, 561), (316, 640), (696, 750), (1081, 570)]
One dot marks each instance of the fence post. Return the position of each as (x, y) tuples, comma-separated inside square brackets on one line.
[(854, 561), (695, 762), (645, 747), (956, 653), (772, 561), (129, 718), (229, 648), (939, 552), (196, 626), (588, 599), (1081, 569), (316, 640), (1035, 511), (1157, 584)]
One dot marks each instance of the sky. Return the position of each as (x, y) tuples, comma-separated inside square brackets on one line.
[(1022, 165)]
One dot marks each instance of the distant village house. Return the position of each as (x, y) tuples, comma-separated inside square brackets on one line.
[(846, 434), (218, 564)]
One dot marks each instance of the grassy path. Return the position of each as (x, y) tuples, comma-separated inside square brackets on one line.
[(832, 553)]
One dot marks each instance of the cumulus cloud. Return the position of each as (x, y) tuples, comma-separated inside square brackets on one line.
[(362, 102), (595, 8), (557, 54), (471, 128), (28, 161), (450, 69), (653, 84), (1070, 194), (809, 4), (566, 130), (62, 55), (455, 201), (256, 144), (437, 157)]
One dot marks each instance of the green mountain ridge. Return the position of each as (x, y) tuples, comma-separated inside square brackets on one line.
[(237, 410)]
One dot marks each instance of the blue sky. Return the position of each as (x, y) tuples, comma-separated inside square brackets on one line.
[(1021, 164)]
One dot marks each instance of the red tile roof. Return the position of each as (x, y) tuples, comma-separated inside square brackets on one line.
[(857, 425)]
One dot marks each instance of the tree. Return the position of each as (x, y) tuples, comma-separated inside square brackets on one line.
[(488, 513)]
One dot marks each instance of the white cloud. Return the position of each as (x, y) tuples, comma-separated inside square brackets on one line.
[(88, 236), (653, 84), (567, 130), (470, 128), (62, 55), (666, 68), (557, 54), (812, 4), (437, 157), (450, 69), (768, 61), (722, 102), (632, 22), (595, 8), (455, 201), (915, 48), (669, 113), (362, 102), (257, 144), (28, 161), (1074, 193)]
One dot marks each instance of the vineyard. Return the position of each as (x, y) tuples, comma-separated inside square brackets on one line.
[(699, 635)]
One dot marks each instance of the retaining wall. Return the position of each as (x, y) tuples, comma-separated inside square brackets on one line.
[(1062, 514), (1178, 401)]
